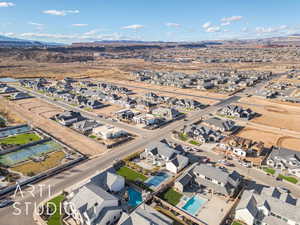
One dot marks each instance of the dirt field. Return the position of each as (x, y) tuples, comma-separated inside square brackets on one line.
[(165, 88), (108, 111), (37, 113), (270, 139), (274, 114)]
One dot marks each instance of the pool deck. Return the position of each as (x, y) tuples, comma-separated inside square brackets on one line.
[(214, 210)]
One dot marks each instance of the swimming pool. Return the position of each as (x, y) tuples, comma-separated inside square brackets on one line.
[(135, 197), (156, 180), (24, 154), (193, 205)]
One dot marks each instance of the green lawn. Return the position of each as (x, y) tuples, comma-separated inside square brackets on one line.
[(269, 170), (171, 196), (193, 142), (289, 179), (183, 137), (236, 223), (55, 219), (20, 139), (130, 174)]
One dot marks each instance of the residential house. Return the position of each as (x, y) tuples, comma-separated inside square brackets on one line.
[(168, 113), (243, 148), (237, 112), (161, 154), (19, 95), (219, 124), (178, 163), (94, 104), (114, 182), (68, 118), (211, 179), (125, 114), (285, 160), (108, 132), (9, 89), (268, 206), (202, 133), (144, 215), (92, 205), (85, 126)]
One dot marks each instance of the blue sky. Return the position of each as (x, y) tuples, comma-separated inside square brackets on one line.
[(152, 20)]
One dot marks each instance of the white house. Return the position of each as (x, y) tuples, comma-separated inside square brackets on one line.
[(91, 205), (108, 132), (177, 164), (268, 206), (144, 215), (115, 182), (285, 159)]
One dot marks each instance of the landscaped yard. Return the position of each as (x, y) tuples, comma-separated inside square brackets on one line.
[(183, 137), (32, 168), (55, 219), (193, 142), (289, 179), (130, 174), (20, 139), (269, 170), (236, 223), (171, 196)]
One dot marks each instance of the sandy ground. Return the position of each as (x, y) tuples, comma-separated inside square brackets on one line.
[(140, 92), (274, 114), (37, 113), (270, 139), (108, 110), (165, 88)]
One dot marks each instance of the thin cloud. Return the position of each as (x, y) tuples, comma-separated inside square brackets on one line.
[(60, 12), (133, 27), (225, 24), (206, 25), (213, 29), (231, 19), (264, 30), (35, 24), (79, 25), (172, 24), (6, 4)]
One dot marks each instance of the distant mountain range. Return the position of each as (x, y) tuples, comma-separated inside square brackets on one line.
[(293, 39), (17, 42)]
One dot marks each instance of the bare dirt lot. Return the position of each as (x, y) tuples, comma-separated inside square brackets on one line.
[(108, 110), (37, 113), (274, 114), (270, 139)]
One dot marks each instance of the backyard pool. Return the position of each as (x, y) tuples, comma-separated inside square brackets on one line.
[(14, 130), (24, 154), (156, 180), (193, 205), (135, 197)]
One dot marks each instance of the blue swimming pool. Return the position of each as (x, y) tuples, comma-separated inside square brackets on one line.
[(156, 180), (193, 205), (135, 197)]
